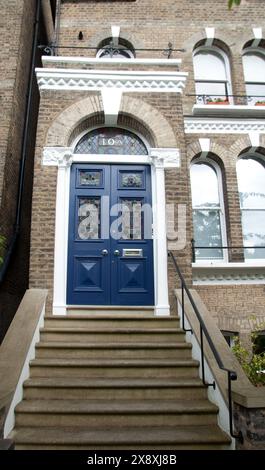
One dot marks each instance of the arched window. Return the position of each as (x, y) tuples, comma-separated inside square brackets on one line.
[(212, 75), (208, 211), (251, 185), (111, 141), (110, 49), (254, 72)]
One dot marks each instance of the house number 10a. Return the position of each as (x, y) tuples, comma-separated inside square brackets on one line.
[(111, 141)]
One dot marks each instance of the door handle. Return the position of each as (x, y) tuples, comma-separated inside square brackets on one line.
[(116, 253), (104, 252)]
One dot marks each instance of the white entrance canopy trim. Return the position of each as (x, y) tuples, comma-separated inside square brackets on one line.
[(159, 158), (80, 80)]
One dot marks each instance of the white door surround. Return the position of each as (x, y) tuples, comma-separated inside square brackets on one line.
[(160, 159)]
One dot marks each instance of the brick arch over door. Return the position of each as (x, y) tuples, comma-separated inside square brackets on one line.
[(63, 129), (151, 118), (69, 119)]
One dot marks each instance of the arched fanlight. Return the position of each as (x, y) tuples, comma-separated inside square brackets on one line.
[(111, 141)]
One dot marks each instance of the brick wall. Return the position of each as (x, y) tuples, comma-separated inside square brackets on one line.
[(16, 29), (236, 308), (251, 422), (44, 192), (16, 25), (152, 24)]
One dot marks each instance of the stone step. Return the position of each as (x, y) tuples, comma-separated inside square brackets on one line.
[(127, 381), (102, 413), (103, 321), (132, 335), (79, 388), (60, 350), (114, 368), (199, 437), (115, 311)]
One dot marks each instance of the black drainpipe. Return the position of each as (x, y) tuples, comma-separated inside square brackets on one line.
[(57, 24), (16, 233)]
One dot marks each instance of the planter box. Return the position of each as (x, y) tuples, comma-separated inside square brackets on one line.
[(259, 104), (218, 102)]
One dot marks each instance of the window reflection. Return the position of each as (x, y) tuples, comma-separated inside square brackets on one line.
[(211, 76), (251, 185), (254, 72), (206, 212)]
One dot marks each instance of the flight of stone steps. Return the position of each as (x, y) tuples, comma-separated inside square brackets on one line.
[(115, 380)]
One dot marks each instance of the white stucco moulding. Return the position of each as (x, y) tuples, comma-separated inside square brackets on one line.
[(111, 99), (254, 138), (210, 32), (165, 157), (89, 80), (205, 145), (64, 157), (257, 33), (57, 156), (222, 126), (115, 33)]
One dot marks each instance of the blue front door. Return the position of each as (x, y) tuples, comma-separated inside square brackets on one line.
[(110, 255)]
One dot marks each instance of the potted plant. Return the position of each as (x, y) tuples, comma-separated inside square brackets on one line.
[(217, 101), (260, 103)]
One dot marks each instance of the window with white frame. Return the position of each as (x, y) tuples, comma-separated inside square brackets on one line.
[(212, 75), (254, 72), (208, 211), (251, 185)]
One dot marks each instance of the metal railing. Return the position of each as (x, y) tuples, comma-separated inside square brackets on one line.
[(231, 375), (219, 90), (221, 247), (211, 98), (50, 49)]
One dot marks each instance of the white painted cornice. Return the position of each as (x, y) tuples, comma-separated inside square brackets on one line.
[(57, 156), (221, 126), (47, 60), (165, 157), (80, 80)]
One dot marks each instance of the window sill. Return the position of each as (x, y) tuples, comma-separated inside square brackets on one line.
[(223, 273), (225, 265), (230, 110)]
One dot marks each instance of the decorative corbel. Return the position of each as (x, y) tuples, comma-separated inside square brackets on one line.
[(57, 156), (165, 157)]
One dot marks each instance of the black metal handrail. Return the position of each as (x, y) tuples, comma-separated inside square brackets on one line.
[(221, 247), (231, 375)]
